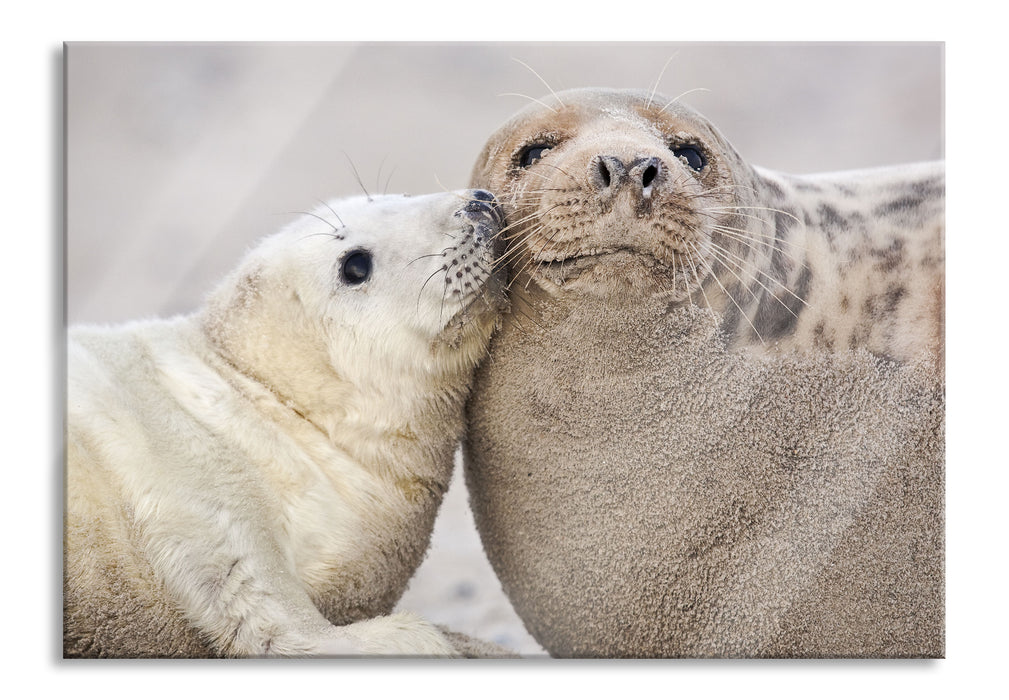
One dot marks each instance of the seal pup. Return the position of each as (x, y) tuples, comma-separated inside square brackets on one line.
[(718, 405), (261, 478)]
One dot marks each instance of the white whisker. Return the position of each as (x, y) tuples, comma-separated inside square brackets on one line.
[(541, 80)]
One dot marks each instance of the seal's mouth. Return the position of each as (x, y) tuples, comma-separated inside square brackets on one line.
[(576, 257), (563, 269)]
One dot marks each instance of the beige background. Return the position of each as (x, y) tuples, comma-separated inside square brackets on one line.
[(180, 156)]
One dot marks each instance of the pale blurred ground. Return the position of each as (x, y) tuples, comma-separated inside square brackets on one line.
[(181, 156)]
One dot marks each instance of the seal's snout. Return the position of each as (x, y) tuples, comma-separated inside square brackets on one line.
[(482, 195), (610, 175), (482, 202), (485, 214)]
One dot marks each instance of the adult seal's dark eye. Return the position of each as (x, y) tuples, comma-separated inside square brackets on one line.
[(356, 267), (532, 154), (691, 156)]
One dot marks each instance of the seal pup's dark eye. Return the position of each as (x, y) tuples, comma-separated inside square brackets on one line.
[(356, 267), (532, 154), (691, 156)]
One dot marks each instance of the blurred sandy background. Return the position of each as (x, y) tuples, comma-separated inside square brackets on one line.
[(181, 156)]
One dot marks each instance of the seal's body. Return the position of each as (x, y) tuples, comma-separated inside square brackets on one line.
[(714, 426), (262, 477)]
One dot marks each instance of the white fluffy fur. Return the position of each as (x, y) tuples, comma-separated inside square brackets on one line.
[(241, 479)]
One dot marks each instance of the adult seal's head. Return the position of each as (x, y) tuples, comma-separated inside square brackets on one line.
[(625, 195), (614, 191)]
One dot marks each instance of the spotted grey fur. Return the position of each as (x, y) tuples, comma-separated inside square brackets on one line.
[(713, 424), (857, 262)]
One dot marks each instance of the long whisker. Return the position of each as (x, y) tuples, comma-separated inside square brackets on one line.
[(357, 175), (322, 233), (561, 102), (682, 94), (385, 190), (749, 239), (333, 211), (443, 268), (655, 86), (724, 257), (731, 298), (561, 170), (728, 209), (533, 99), (747, 232), (700, 282), (422, 257), (336, 230)]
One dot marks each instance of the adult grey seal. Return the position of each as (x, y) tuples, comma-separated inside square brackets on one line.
[(713, 424), (261, 478)]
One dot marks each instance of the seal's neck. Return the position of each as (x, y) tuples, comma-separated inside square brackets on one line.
[(370, 402)]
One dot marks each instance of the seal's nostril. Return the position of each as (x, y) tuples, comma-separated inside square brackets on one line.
[(607, 175), (604, 173), (649, 175), (483, 195)]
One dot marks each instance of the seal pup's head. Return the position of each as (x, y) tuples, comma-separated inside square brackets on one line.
[(612, 191), (362, 297)]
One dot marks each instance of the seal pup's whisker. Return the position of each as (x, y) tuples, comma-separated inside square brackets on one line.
[(357, 176), (388, 180), (328, 234), (378, 175), (335, 233), (461, 196), (430, 255)]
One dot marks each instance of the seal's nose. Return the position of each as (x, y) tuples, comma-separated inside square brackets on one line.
[(610, 175), (487, 218), (643, 173), (482, 195), (607, 174), (484, 202)]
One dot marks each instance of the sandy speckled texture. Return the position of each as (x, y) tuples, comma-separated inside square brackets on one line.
[(671, 498)]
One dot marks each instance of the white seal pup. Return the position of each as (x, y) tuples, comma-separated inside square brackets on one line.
[(713, 425), (261, 478)]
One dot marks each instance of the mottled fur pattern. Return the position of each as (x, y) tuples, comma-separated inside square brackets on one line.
[(261, 478), (850, 260), (845, 261), (713, 425)]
